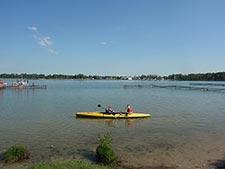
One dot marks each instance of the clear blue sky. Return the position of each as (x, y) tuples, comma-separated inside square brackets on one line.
[(112, 37)]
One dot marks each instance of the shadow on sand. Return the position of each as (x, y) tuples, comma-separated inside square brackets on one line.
[(90, 155), (220, 164), (145, 167)]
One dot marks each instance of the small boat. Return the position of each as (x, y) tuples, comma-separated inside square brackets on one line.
[(2, 84), (98, 114), (20, 83)]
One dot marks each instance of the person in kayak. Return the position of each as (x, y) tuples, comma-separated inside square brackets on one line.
[(129, 109), (109, 110)]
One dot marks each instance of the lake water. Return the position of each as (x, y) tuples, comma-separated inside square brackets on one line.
[(186, 130)]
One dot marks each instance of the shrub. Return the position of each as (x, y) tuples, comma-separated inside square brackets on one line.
[(15, 153), (104, 151)]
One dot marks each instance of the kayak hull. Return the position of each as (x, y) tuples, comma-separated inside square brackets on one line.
[(113, 115)]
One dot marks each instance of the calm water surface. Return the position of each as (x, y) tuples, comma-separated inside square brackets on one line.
[(186, 130)]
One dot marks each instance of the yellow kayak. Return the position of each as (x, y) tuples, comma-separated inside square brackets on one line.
[(112, 115)]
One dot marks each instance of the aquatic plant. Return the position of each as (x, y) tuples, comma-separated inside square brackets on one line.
[(15, 153), (104, 151)]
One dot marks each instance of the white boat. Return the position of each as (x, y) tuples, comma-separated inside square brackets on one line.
[(2, 84), (20, 83)]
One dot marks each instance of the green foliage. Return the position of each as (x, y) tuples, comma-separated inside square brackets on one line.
[(56, 76), (15, 153), (67, 165), (219, 76), (104, 151)]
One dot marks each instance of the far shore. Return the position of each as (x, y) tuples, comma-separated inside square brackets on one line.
[(217, 76)]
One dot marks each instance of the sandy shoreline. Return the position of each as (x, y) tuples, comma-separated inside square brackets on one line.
[(215, 165), (204, 154), (133, 162)]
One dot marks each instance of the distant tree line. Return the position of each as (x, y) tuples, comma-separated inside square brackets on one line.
[(219, 76), (55, 76)]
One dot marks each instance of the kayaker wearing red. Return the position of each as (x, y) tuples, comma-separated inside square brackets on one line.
[(129, 109)]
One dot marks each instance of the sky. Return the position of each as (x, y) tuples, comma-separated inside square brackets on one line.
[(112, 37)]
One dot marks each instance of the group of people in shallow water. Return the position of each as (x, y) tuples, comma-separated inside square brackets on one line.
[(127, 110)]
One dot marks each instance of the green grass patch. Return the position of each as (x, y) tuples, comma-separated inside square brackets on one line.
[(15, 153), (67, 165)]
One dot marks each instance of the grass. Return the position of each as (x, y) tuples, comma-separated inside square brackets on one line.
[(67, 165), (104, 152), (15, 153)]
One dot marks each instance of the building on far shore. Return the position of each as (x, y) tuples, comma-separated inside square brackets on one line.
[(126, 78), (129, 78)]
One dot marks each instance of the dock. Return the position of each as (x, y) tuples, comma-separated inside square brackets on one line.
[(176, 87), (27, 87), (207, 84)]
